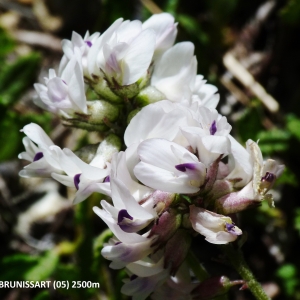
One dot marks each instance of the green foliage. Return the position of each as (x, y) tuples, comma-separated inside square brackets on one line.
[(192, 26), (249, 124), (289, 278), (293, 125), (21, 262), (274, 140), (44, 295), (16, 77), (44, 268), (291, 12), (6, 43)]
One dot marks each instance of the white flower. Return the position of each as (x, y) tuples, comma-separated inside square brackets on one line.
[(65, 93), (84, 177), (147, 275), (127, 212), (158, 120), (169, 167), (210, 138), (174, 73), (165, 31), (125, 247), (121, 172), (264, 173), (77, 47), (217, 229), (43, 160), (123, 53), (175, 76), (204, 94)]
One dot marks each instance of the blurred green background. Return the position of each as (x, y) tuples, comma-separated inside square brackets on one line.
[(64, 242)]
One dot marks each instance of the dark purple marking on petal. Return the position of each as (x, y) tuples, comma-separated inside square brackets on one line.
[(89, 43), (132, 277), (38, 156), (64, 82), (213, 128), (118, 243), (184, 167), (231, 229), (269, 177), (123, 214), (77, 180), (106, 179)]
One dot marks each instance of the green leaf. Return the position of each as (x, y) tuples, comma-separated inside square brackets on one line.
[(249, 125), (192, 27), (291, 12), (293, 125), (16, 77), (44, 268), (44, 295), (275, 140), (7, 44), (20, 262)]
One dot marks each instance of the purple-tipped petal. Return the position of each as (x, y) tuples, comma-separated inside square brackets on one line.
[(106, 179), (38, 156), (232, 229), (123, 214), (132, 277), (213, 128), (184, 167), (269, 177), (77, 180), (89, 43)]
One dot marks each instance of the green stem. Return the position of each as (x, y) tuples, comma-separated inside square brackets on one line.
[(238, 262)]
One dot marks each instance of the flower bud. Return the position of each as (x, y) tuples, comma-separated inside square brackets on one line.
[(165, 227), (149, 95), (176, 250), (125, 91), (99, 113), (237, 201), (213, 287), (101, 87)]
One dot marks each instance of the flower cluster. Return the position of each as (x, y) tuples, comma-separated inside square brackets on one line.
[(181, 173)]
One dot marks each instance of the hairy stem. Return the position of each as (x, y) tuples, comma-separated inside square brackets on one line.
[(238, 262)]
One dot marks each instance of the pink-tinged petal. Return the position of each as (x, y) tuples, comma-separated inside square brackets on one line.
[(217, 229)]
